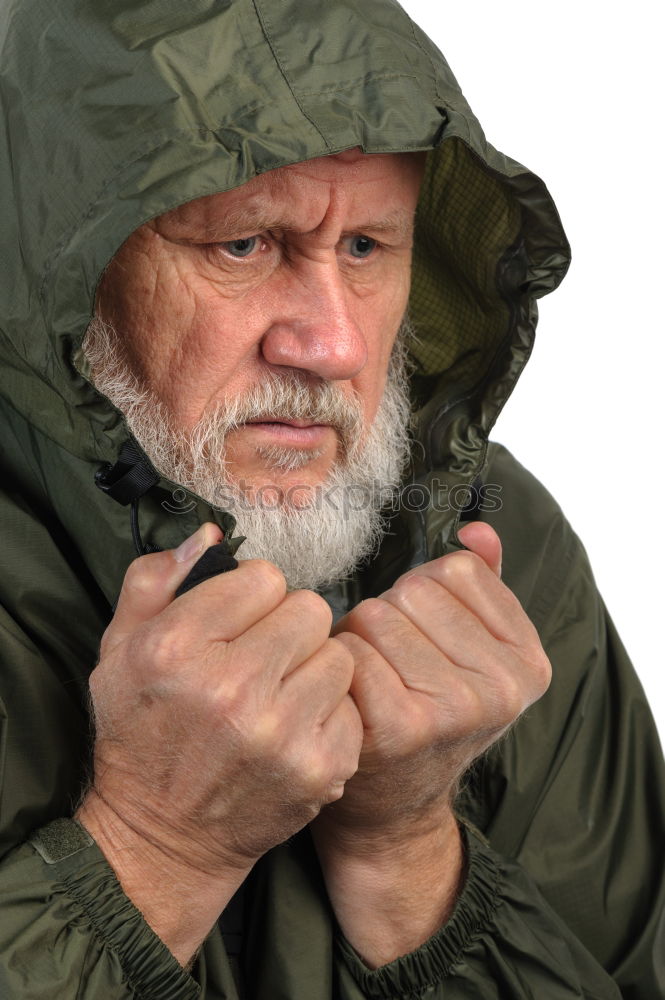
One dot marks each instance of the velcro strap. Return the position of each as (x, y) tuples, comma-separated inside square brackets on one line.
[(60, 839), (130, 477)]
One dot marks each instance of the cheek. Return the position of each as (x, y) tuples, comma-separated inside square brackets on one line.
[(147, 294), (383, 319), (217, 351)]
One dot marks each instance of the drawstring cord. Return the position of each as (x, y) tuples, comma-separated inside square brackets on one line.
[(141, 549), (127, 481), (134, 522)]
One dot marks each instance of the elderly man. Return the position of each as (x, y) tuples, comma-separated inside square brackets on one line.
[(264, 278)]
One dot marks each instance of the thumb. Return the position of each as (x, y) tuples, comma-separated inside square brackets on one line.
[(151, 581), (484, 541)]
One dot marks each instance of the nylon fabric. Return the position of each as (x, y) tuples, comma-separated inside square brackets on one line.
[(114, 113)]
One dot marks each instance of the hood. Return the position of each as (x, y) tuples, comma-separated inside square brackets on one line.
[(116, 112)]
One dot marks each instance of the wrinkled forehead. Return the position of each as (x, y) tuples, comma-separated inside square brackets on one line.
[(298, 196)]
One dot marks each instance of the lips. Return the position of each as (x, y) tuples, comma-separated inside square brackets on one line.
[(271, 421), (291, 432)]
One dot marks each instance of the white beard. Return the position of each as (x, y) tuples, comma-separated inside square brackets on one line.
[(315, 536)]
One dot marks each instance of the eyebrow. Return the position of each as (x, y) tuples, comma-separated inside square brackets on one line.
[(255, 219)]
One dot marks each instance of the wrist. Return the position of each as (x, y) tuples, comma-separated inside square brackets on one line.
[(178, 901), (390, 895), (379, 826)]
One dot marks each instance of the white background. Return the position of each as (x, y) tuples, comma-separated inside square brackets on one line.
[(574, 91)]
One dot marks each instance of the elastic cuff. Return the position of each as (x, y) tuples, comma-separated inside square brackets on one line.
[(433, 961), (80, 869)]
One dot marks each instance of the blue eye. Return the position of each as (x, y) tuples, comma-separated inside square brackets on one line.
[(362, 246), (242, 247)]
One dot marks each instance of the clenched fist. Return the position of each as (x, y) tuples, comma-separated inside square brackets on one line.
[(445, 661), (223, 720)]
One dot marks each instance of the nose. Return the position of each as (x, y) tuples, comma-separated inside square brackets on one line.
[(316, 327)]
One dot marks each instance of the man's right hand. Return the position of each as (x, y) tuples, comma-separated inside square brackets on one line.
[(223, 725)]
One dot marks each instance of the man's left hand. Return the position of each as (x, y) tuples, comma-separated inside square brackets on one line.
[(445, 661)]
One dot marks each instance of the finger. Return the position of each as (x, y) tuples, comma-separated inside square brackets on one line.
[(467, 670), (343, 733), (420, 663), (225, 606), (151, 581), (405, 712), (312, 691), (377, 688), (468, 578), (486, 632), (283, 639), (484, 541), (449, 624)]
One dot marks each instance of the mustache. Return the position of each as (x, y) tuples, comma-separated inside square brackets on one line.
[(293, 395), (280, 394)]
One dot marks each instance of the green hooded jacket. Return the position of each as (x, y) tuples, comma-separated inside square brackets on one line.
[(115, 111)]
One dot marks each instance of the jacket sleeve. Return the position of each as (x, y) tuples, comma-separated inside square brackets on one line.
[(68, 930), (572, 802), (502, 941)]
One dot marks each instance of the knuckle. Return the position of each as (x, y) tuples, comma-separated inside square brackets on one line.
[(163, 648), (371, 612), (341, 656), (460, 565), (107, 641), (354, 644), (313, 607), (513, 698), (334, 792), (317, 777), (141, 576), (355, 731), (231, 700), (301, 769), (518, 688), (541, 670), (95, 684), (266, 576), (409, 587), (470, 709), (338, 664), (265, 738), (423, 727), (311, 768)]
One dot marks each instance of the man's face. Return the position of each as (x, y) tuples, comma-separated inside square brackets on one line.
[(304, 269)]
